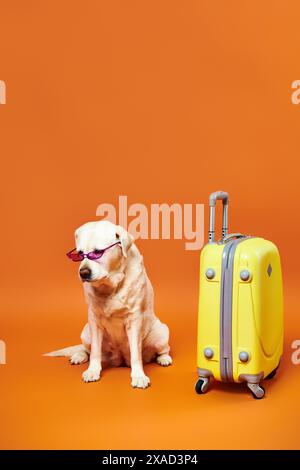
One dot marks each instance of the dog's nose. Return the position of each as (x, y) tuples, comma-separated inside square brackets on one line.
[(85, 273)]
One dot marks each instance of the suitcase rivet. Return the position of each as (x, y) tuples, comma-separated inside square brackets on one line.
[(208, 353), (245, 275), (244, 356), (210, 273)]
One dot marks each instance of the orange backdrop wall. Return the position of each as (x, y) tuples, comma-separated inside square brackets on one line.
[(162, 102)]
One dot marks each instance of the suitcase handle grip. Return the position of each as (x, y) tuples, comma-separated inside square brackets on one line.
[(218, 195), (213, 198)]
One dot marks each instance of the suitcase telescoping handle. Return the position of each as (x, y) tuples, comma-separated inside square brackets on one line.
[(212, 211)]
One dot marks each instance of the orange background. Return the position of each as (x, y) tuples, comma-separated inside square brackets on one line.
[(163, 102)]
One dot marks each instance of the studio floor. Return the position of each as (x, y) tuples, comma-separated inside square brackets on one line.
[(44, 403)]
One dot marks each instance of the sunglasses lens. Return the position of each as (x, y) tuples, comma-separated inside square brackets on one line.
[(75, 256), (95, 254)]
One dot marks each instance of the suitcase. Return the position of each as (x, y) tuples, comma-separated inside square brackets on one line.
[(240, 317)]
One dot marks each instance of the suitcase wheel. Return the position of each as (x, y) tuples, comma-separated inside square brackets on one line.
[(272, 374), (202, 385), (258, 392)]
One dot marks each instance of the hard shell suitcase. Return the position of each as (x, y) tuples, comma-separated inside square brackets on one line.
[(240, 318)]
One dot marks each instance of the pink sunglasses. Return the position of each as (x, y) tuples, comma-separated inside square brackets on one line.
[(96, 254)]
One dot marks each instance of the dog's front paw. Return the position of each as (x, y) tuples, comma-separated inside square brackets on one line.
[(91, 375), (140, 381)]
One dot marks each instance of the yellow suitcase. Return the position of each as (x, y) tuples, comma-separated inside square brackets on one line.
[(240, 318)]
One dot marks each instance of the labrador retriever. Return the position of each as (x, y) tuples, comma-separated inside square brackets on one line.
[(122, 327)]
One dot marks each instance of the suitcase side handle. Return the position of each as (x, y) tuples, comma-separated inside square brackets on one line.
[(229, 237), (213, 198)]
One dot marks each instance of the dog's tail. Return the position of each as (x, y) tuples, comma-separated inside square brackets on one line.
[(66, 352)]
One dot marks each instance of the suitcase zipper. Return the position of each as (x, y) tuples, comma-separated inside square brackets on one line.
[(226, 364)]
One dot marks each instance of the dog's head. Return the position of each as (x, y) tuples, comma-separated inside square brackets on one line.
[(94, 237)]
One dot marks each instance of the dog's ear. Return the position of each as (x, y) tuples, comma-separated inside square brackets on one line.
[(125, 238), (76, 234)]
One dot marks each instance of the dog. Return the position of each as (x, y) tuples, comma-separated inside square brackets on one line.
[(122, 327)]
